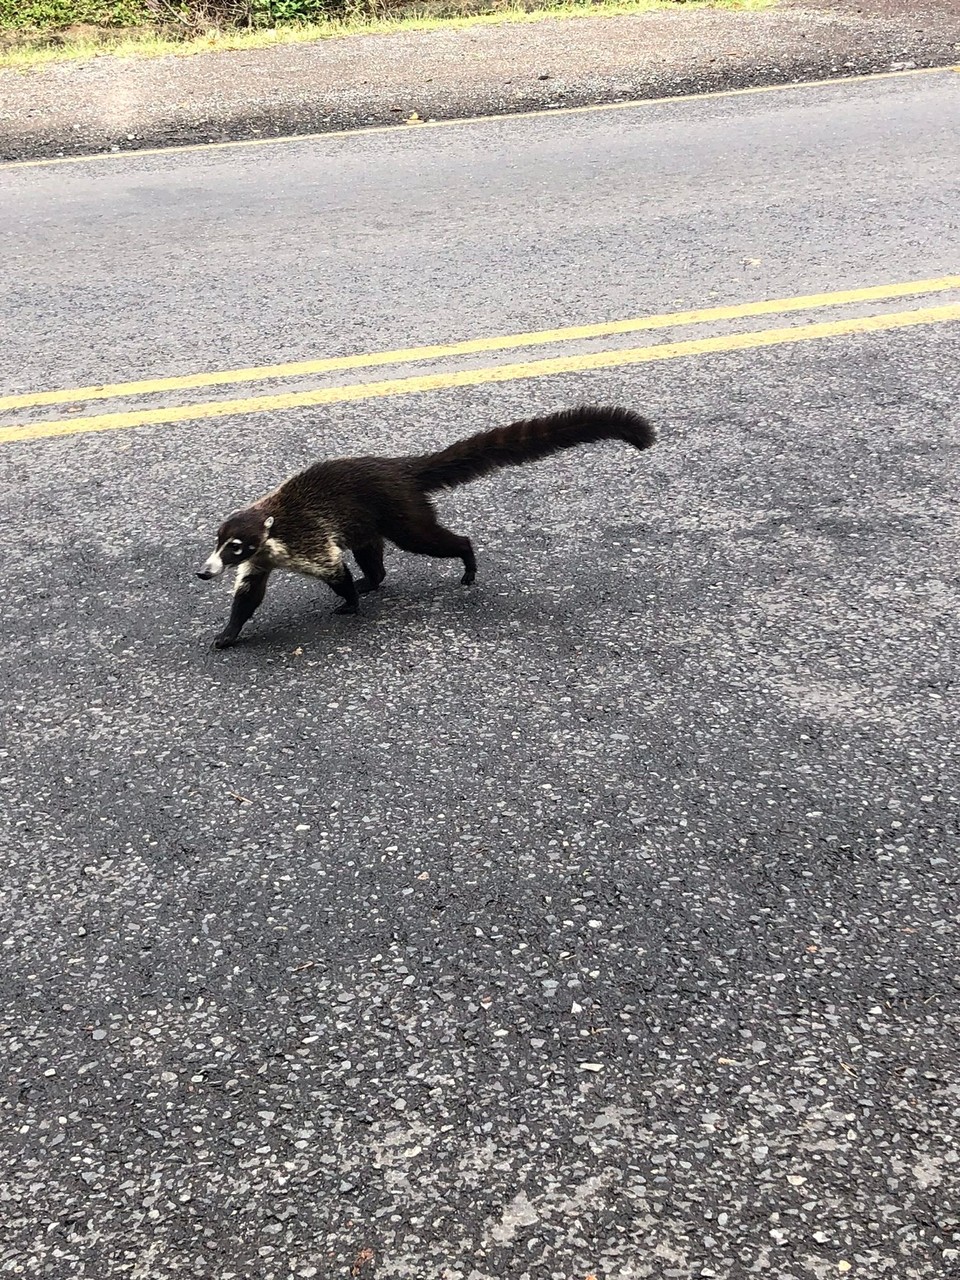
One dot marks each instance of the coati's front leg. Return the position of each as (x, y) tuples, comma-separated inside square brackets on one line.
[(248, 593), (341, 581), (469, 563), (370, 560)]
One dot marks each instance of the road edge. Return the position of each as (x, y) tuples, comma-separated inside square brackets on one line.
[(46, 139)]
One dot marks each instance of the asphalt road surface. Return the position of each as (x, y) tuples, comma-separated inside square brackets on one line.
[(599, 920)]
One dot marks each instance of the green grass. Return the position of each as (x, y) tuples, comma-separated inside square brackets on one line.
[(44, 15), (80, 29)]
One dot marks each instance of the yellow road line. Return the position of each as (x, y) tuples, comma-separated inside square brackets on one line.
[(469, 120), (477, 346), (478, 377)]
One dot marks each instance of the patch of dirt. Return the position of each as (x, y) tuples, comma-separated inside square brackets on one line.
[(109, 103)]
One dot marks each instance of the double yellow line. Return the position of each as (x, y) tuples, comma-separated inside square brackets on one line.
[(581, 362)]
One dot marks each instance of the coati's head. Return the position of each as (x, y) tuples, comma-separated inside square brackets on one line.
[(239, 537)]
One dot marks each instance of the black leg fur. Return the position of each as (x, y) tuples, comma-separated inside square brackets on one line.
[(370, 560), (246, 602), (344, 585), (423, 534)]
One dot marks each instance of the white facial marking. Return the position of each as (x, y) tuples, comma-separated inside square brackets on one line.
[(214, 565)]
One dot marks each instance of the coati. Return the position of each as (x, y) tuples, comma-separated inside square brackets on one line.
[(353, 504)]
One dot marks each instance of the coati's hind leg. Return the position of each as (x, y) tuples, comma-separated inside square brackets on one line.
[(370, 560), (248, 593), (419, 531)]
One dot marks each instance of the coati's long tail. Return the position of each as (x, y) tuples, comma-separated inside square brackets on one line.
[(527, 441)]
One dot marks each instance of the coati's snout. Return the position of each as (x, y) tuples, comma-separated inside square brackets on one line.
[(238, 539), (212, 567)]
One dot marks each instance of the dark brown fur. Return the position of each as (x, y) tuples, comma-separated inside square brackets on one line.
[(357, 503)]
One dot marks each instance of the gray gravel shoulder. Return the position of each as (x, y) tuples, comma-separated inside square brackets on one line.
[(109, 103)]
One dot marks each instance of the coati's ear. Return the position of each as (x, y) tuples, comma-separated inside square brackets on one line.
[(268, 523)]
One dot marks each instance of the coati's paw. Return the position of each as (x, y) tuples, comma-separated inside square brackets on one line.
[(468, 578), (364, 586), (224, 640), (347, 607)]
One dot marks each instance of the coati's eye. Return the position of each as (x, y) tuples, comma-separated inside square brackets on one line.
[(235, 544)]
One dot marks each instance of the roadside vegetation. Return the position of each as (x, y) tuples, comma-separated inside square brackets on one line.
[(35, 31)]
